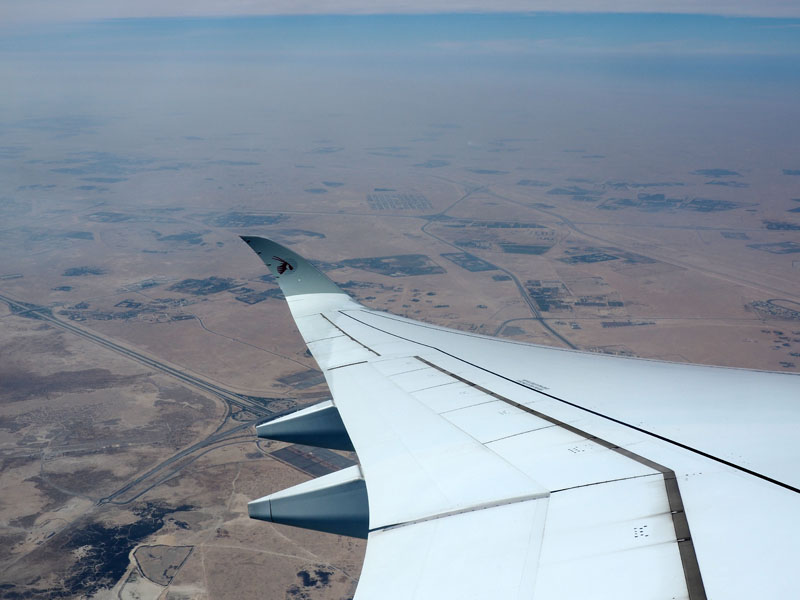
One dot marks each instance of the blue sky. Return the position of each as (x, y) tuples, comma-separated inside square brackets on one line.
[(142, 70), (643, 45), (430, 34)]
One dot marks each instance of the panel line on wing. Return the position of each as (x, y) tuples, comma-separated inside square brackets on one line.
[(430, 387), (575, 487), (352, 364), (452, 410), (331, 337), (444, 515), (348, 335), (422, 368), (505, 437)]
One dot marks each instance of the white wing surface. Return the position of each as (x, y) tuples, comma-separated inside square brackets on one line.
[(495, 469)]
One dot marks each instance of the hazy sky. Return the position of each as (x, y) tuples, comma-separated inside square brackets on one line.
[(512, 36), (111, 67), (662, 94), (82, 10)]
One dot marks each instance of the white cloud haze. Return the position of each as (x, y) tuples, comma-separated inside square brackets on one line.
[(21, 11)]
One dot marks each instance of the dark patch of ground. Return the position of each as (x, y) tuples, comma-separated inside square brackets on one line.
[(303, 379), (303, 232), (778, 247), (203, 287), (523, 248), (103, 555), (252, 297), (487, 171), (468, 261), (781, 226), (399, 265), (716, 173), (237, 219), (434, 163), (193, 238), (19, 384), (386, 200), (733, 184), (80, 271), (534, 183)]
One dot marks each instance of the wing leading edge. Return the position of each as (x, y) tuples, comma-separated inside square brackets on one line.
[(490, 468)]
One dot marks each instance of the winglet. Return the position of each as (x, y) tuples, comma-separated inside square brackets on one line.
[(294, 273)]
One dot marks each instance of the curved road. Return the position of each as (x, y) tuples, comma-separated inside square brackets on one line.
[(253, 409)]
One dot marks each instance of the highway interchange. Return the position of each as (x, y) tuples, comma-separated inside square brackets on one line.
[(242, 412)]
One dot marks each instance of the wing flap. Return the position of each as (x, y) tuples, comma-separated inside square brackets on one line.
[(414, 462), (584, 543), (490, 553), (562, 459), (315, 328), (333, 353), (613, 540), (495, 420)]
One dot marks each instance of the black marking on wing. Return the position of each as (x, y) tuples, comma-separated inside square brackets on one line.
[(283, 265)]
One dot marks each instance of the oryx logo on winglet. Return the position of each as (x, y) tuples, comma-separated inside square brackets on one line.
[(284, 264)]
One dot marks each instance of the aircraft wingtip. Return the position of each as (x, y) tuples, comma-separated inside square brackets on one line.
[(295, 274)]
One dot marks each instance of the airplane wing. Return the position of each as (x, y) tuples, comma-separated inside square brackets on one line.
[(495, 469)]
